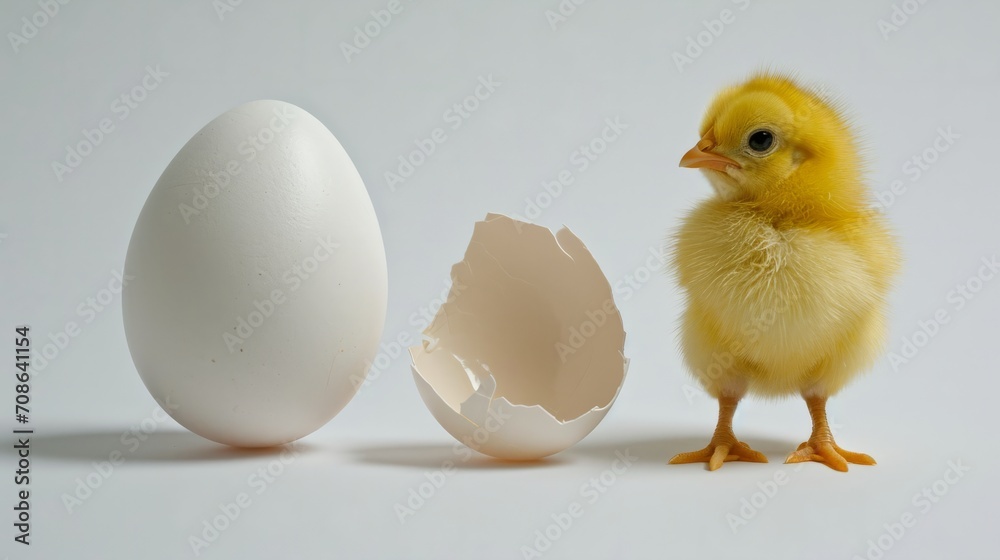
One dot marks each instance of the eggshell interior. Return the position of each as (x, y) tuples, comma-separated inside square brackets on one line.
[(526, 356)]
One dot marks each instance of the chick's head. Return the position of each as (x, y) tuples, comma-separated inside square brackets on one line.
[(772, 142)]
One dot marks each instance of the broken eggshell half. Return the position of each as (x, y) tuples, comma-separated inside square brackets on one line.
[(525, 357)]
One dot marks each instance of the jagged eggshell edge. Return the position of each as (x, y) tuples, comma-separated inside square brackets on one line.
[(499, 428)]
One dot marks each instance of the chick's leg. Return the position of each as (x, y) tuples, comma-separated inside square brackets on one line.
[(821, 447), (724, 445)]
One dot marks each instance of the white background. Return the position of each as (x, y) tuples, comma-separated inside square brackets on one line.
[(62, 239)]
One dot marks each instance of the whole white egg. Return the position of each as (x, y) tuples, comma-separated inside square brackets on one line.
[(256, 279)]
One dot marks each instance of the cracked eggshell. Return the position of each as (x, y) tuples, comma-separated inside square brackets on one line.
[(525, 357), (256, 279)]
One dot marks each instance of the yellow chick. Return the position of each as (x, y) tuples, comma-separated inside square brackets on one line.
[(786, 268)]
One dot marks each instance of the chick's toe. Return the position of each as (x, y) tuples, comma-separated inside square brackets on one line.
[(821, 446), (724, 445), (718, 451)]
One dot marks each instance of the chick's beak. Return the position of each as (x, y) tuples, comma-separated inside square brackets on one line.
[(701, 156)]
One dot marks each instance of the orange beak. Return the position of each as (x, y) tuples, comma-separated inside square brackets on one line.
[(700, 156)]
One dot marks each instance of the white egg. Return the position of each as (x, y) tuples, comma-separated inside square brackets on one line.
[(525, 357), (256, 291)]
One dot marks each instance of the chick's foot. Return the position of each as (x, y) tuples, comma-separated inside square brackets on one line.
[(720, 450), (821, 446), (724, 446), (828, 453)]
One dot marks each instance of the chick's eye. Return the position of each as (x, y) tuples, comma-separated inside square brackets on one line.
[(760, 141)]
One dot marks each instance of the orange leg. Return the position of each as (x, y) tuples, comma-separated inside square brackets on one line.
[(724, 445), (821, 447)]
